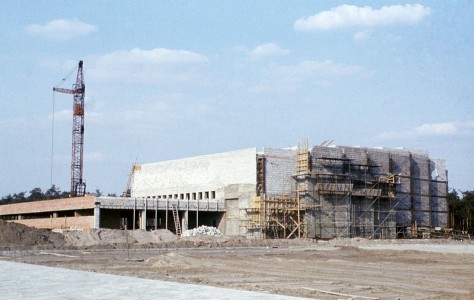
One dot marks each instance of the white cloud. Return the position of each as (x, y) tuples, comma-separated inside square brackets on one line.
[(61, 29), (320, 68), (269, 49), (434, 129), (154, 66), (280, 78), (351, 15)]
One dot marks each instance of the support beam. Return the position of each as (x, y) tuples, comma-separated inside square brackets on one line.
[(97, 216), (143, 219)]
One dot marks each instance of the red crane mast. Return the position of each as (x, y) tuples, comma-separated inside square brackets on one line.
[(78, 186)]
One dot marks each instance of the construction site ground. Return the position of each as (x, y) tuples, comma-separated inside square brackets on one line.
[(337, 269)]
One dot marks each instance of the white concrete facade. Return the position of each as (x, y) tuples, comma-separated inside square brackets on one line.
[(195, 178)]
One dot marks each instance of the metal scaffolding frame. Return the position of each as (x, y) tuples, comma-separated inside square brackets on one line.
[(351, 201), (347, 192)]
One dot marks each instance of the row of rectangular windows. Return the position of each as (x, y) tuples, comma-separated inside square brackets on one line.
[(187, 196)]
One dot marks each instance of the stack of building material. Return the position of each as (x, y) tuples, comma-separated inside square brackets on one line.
[(202, 230)]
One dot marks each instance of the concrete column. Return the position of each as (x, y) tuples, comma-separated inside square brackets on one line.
[(143, 219), (166, 214), (96, 216), (184, 221), (156, 214), (134, 212)]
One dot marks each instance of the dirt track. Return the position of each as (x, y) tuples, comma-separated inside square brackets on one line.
[(339, 269)]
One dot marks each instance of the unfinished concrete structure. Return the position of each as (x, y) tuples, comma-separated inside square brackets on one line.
[(381, 193), (323, 192)]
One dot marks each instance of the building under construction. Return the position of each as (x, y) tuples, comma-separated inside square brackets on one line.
[(323, 192)]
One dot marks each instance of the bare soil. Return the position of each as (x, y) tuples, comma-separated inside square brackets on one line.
[(337, 269)]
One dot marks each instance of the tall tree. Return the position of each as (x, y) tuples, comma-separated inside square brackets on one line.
[(53, 192), (36, 194), (461, 211)]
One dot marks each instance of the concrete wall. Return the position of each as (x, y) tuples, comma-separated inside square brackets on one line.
[(237, 198), (86, 222), (228, 178), (161, 204), (420, 194), (198, 174), (48, 205), (280, 166)]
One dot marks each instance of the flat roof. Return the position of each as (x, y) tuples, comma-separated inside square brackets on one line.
[(52, 205)]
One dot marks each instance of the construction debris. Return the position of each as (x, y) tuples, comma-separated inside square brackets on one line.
[(202, 230)]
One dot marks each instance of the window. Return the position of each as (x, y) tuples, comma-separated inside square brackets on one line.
[(188, 196), (200, 196), (181, 196), (206, 195), (194, 196), (213, 195)]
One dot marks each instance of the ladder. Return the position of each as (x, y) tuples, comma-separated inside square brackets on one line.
[(176, 220), (275, 231)]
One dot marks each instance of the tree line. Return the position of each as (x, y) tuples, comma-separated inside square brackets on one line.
[(461, 211), (37, 194)]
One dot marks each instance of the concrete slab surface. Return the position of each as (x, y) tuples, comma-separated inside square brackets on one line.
[(25, 281)]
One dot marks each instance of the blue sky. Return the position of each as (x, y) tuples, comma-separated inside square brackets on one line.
[(172, 79)]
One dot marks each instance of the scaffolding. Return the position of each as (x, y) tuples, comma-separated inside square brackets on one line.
[(351, 199), (347, 192), (275, 217), (303, 159), (131, 177)]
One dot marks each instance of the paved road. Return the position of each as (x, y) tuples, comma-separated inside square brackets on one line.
[(24, 281)]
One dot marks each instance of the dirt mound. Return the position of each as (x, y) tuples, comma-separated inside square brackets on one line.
[(112, 237), (152, 237), (19, 236), (170, 260)]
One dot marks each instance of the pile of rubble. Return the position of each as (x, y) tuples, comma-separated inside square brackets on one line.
[(202, 230)]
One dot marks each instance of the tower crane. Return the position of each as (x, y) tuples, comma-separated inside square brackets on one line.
[(78, 186)]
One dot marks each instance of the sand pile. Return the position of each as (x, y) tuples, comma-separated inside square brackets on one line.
[(170, 260), (19, 236), (113, 237)]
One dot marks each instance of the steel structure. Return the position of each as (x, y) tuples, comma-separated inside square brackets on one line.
[(128, 189), (78, 186)]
